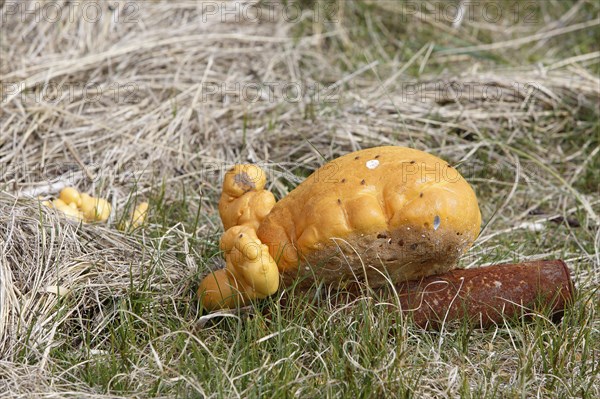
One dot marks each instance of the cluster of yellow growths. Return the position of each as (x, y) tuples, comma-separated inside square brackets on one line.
[(83, 207)]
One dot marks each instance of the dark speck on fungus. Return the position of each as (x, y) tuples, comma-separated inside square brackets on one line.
[(356, 157), (376, 156), (412, 162), (381, 236), (421, 195), (413, 246), (401, 243), (343, 180), (245, 181), (339, 201), (362, 181)]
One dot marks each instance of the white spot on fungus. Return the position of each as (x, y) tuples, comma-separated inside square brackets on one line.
[(498, 284), (372, 164), (436, 222)]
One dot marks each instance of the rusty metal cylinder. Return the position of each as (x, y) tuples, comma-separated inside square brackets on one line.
[(488, 295)]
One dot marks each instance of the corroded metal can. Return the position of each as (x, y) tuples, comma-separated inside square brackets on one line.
[(489, 295)]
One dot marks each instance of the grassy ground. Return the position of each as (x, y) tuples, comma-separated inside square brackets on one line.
[(153, 100)]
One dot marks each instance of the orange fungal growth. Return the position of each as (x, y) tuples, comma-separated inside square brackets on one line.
[(80, 206), (244, 201), (380, 214)]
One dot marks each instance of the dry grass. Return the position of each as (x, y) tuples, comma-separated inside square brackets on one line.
[(155, 123)]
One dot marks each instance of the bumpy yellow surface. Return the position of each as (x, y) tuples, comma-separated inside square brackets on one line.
[(250, 272), (354, 197), (244, 200), (372, 190), (80, 206)]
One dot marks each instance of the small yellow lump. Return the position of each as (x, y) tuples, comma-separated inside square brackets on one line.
[(80, 206), (138, 216)]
